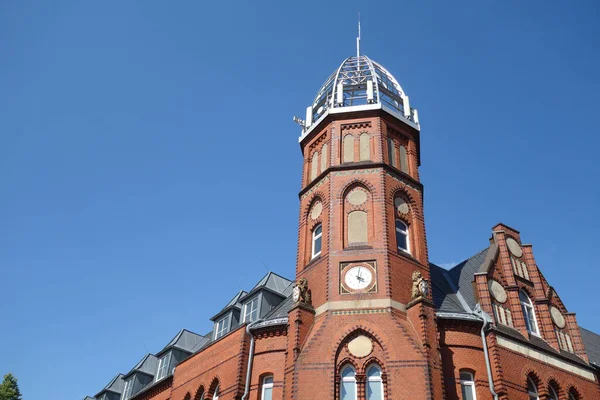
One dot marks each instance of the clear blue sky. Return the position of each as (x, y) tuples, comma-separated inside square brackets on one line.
[(150, 167)]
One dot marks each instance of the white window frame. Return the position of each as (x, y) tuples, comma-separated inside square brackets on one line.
[(532, 395), (163, 366), (377, 379), (529, 310), (315, 237), (349, 379), (216, 393), (220, 328), (267, 386), (468, 383), (402, 232), (128, 388), (248, 315)]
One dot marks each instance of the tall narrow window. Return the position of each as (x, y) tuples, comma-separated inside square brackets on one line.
[(552, 393), (317, 237), (128, 388), (403, 159), (314, 165), (163, 366), (216, 394), (573, 395), (251, 310), (267, 388), (528, 313), (392, 152), (532, 390), (467, 385), (222, 326), (365, 147), (402, 236), (374, 383), (348, 384)]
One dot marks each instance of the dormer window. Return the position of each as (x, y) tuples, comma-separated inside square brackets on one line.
[(222, 326), (251, 310), (128, 388), (163, 366)]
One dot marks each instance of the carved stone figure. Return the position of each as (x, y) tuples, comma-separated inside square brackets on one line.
[(420, 287), (301, 292)]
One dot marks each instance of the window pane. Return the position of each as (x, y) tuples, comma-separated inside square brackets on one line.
[(523, 297), (267, 380), (400, 226), (467, 392), (318, 230), (466, 376), (401, 240), (374, 372), (348, 390), (317, 249), (374, 390), (348, 372), (267, 394)]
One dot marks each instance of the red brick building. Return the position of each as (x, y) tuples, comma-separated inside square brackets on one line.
[(368, 316)]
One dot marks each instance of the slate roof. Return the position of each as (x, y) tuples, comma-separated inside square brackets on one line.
[(146, 365), (116, 385), (274, 283), (591, 341), (185, 340), (233, 303), (281, 310)]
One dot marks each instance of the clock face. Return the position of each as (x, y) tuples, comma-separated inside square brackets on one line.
[(358, 278)]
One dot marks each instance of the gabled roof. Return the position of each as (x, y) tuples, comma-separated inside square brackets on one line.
[(273, 283), (115, 385), (146, 365), (591, 341), (185, 340), (233, 303)]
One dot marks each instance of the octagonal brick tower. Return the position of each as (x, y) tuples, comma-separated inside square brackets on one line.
[(361, 239)]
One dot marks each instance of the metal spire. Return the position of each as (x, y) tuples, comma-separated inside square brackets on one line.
[(358, 38)]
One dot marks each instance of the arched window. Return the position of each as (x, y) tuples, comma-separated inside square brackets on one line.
[(216, 394), (374, 383), (528, 313), (348, 384), (317, 237), (573, 395), (365, 147), (532, 390), (552, 395), (402, 236), (267, 388), (467, 385), (314, 165)]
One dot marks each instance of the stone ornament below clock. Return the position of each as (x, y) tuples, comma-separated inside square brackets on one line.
[(420, 287)]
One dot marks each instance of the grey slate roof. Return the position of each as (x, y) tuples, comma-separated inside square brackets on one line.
[(274, 283), (452, 290), (591, 341), (116, 385), (146, 365), (281, 310), (185, 340), (233, 303)]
